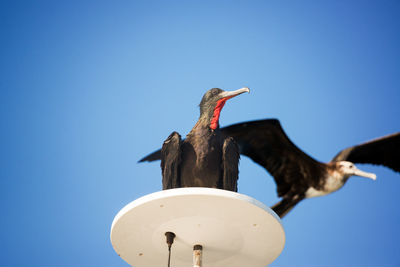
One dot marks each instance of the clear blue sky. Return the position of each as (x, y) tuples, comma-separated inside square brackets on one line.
[(89, 87)]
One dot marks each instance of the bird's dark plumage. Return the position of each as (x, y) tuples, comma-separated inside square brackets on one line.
[(296, 174), (380, 151), (230, 154), (170, 160), (206, 158)]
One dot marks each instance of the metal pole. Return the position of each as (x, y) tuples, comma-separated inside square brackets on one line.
[(197, 254)]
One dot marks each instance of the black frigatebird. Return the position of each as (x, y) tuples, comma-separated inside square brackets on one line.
[(297, 175), (206, 158)]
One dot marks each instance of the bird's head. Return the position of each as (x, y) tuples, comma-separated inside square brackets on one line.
[(212, 103), (347, 169)]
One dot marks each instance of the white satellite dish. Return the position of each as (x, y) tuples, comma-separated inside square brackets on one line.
[(232, 229)]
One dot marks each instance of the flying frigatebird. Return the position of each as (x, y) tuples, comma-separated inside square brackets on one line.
[(297, 175), (206, 158)]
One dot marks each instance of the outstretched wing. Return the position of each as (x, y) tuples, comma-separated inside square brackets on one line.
[(230, 164), (170, 161), (265, 142), (381, 151)]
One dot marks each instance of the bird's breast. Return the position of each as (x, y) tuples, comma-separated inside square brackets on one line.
[(201, 162), (331, 184)]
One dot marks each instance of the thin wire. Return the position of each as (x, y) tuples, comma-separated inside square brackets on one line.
[(169, 256)]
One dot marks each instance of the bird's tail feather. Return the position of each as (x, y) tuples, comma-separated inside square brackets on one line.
[(156, 155), (285, 205)]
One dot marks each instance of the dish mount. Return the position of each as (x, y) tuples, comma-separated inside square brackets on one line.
[(212, 227)]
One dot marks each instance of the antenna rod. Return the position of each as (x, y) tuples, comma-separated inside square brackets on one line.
[(197, 254)]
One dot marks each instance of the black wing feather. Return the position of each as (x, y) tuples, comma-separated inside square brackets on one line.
[(381, 151), (170, 161), (230, 162)]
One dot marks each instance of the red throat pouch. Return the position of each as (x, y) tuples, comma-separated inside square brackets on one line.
[(217, 112)]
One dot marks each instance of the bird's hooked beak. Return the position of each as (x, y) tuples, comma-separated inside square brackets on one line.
[(225, 95), (361, 173), (222, 98)]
